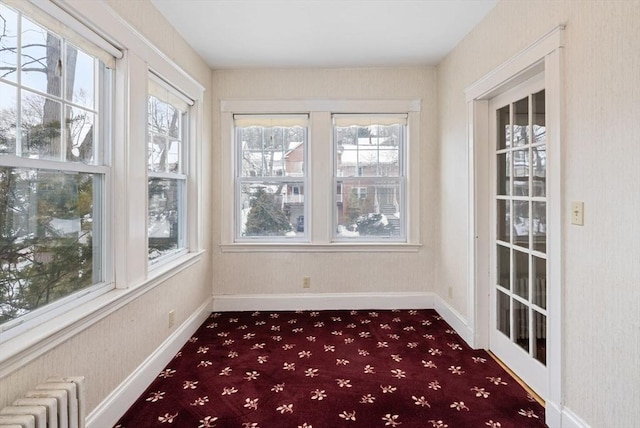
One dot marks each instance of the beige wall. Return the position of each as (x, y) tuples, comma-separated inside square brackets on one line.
[(110, 350), (331, 272), (601, 134)]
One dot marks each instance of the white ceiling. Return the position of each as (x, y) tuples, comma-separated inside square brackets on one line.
[(323, 33)]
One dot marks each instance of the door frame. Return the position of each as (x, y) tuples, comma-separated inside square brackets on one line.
[(544, 55)]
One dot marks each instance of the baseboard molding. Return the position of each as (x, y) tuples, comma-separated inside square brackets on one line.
[(324, 301), (454, 319), (116, 404)]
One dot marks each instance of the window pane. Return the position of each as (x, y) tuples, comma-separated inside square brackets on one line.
[(80, 135), (503, 220), (41, 63), (165, 146), (269, 209), (164, 216), (8, 119), (80, 77), (157, 153), (539, 226), (539, 167), (47, 248), (503, 167), (272, 151), (521, 223), (540, 344), (503, 313), (504, 266), (41, 127), (504, 128), (521, 274), (540, 282), (521, 122), (8, 44), (368, 151), (368, 207), (521, 324)]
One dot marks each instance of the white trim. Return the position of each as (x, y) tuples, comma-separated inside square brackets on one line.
[(24, 348), (542, 55), (121, 398), (563, 418), (325, 301), (459, 323), (337, 247), (318, 104)]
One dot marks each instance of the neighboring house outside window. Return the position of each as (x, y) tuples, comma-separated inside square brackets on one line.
[(55, 99)]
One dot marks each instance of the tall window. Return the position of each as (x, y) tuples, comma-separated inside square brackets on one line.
[(270, 176), (369, 173), (167, 170), (54, 102)]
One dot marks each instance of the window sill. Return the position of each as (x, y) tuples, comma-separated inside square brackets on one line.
[(24, 348), (337, 247)]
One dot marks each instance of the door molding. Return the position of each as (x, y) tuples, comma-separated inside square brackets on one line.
[(544, 55)]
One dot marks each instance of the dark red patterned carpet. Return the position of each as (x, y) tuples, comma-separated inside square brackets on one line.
[(332, 369)]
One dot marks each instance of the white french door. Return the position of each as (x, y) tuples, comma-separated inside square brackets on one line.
[(518, 237)]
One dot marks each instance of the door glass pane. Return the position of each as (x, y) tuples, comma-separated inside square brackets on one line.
[(503, 313), (539, 123), (521, 122), (504, 266), (503, 128), (539, 282), (521, 274), (539, 226), (502, 173), (503, 226), (521, 172), (540, 343), (521, 324), (521, 223), (539, 170)]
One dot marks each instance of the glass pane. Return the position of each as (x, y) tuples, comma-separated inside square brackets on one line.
[(49, 249), (8, 119), (539, 170), (521, 324), (174, 121), (41, 118), (157, 115), (503, 169), (521, 223), (521, 122), (540, 344), (503, 217), (164, 216), (80, 77), (503, 128), (540, 226), (8, 44), (368, 207), (272, 151), (521, 274), (368, 151), (539, 121), (41, 63), (521, 172), (80, 135), (503, 313), (157, 153), (173, 156), (539, 282), (272, 209), (504, 266)]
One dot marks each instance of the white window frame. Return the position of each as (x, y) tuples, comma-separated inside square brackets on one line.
[(240, 180), (178, 100), (100, 168), (126, 271), (321, 186)]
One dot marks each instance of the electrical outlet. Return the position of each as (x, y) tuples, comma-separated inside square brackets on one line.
[(172, 317), (306, 282)]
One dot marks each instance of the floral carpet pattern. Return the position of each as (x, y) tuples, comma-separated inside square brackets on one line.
[(331, 369)]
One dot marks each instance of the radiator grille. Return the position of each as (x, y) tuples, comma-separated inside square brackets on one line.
[(57, 403)]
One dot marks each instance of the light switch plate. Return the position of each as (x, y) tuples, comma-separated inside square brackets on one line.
[(577, 213)]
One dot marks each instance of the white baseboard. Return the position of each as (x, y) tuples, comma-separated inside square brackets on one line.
[(455, 319), (118, 402), (324, 301)]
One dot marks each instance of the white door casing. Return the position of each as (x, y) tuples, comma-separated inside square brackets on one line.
[(543, 56)]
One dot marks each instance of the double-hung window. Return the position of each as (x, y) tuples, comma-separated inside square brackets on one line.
[(270, 177), (55, 103), (369, 175), (167, 169)]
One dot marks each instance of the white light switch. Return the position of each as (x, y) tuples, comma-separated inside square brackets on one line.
[(577, 213)]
